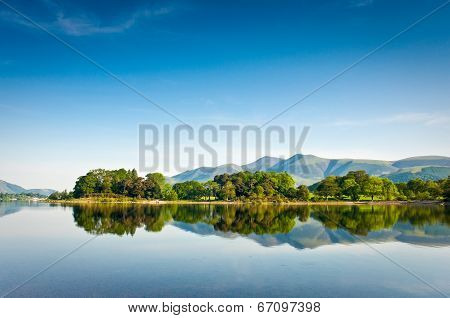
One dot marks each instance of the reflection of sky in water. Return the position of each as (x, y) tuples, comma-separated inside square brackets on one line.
[(194, 260)]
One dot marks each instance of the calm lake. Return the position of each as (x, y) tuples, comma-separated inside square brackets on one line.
[(224, 251)]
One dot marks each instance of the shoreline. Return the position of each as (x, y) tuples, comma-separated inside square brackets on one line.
[(300, 203)]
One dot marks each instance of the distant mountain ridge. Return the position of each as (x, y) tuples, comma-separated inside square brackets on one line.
[(309, 169), (9, 188)]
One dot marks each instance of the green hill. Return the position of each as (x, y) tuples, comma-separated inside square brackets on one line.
[(10, 188), (424, 173), (262, 164), (437, 161), (309, 169), (205, 173)]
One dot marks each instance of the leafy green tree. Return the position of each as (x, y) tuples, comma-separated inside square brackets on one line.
[(351, 188), (228, 191), (221, 179), (168, 193), (136, 188), (373, 187), (360, 176), (404, 192), (302, 193), (434, 189), (158, 178), (153, 185), (446, 189), (106, 185), (259, 192), (64, 195), (418, 189), (246, 185), (85, 185), (189, 190), (211, 188), (328, 187), (389, 190), (283, 182)]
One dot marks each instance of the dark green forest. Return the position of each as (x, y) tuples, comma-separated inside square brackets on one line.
[(252, 187)]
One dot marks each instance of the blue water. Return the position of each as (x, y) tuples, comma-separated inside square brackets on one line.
[(224, 251)]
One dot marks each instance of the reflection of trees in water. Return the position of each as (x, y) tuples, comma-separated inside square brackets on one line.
[(125, 219), (120, 219), (364, 219), (259, 219)]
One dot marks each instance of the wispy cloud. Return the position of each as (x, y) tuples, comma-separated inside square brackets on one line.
[(11, 17), (86, 26), (85, 23), (360, 3), (427, 119), (418, 118)]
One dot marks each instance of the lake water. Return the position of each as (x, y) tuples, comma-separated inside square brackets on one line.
[(224, 251)]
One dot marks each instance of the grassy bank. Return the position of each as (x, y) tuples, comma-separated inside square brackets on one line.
[(160, 202)]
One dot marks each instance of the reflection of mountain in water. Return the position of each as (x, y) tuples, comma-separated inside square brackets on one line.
[(298, 226), (432, 235), (312, 234), (11, 207)]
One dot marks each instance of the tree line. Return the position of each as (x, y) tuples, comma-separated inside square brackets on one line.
[(117, 184), (244, 186), (20, 196), (251, 187), (358, 184)]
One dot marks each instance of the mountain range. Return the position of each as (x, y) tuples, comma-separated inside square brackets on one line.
[(305, 169), (10, 188), (309, 169)]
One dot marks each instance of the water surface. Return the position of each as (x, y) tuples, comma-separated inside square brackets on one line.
[(224, 251)]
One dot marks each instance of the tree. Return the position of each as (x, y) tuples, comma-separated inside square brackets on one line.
[(158, 178), (302, 193), (259, 191), (228, 191), (434, 189), (389, 190), (211, 188), (85, 186), (136, 188), (168, 193), (64, 195), (292, 193), (351, 188), (221, 179), (374, 187), (328, 187), (360, 176), (283, 182), (446, 189), (246, 185), (106, 186), (189, 190), (417, 189), (153, 185)]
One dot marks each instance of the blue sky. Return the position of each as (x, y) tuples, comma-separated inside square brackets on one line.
[(236, 62)]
